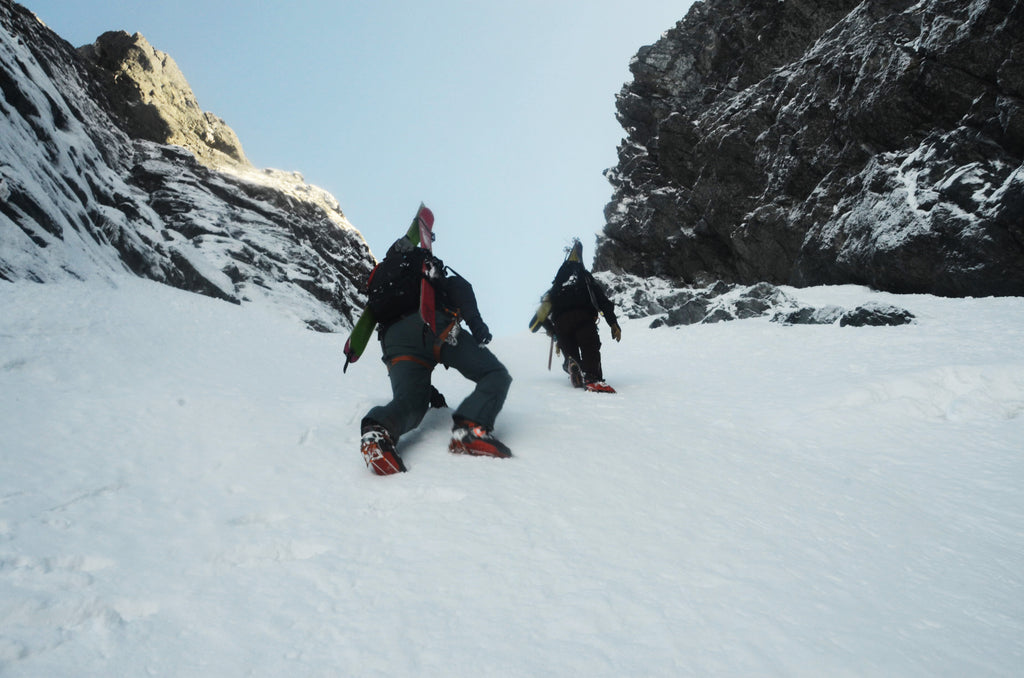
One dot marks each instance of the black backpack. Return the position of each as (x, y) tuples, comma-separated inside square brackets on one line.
[(571, 288), (393, 288)]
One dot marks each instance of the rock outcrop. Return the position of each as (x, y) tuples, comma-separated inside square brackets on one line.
[(673, 305), (108, 165), (875, 142), (153, 101)]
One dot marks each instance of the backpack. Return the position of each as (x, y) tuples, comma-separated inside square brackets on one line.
[(393, 288), (571, 288)]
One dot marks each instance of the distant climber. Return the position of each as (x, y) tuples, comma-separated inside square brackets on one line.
[(569, 312)]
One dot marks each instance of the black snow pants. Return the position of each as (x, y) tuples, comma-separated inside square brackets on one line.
[(576, 333), (411, 357)]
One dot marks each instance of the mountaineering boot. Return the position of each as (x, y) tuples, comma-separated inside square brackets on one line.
[(379, 450), (598, 387), (575, 373), (470, 438)]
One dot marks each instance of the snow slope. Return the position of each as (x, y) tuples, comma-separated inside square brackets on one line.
[(181, 494)]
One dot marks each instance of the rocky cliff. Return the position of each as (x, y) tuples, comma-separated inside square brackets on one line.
[(108, 164), (152, 99), (876, 142)]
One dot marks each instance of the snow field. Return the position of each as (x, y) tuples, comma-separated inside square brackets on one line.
[(181, 494)]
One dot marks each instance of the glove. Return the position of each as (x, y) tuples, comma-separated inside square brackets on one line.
[(616, 331), (481, 332), (437, 400)]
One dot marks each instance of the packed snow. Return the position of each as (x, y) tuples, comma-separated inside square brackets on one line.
[(181, 494)]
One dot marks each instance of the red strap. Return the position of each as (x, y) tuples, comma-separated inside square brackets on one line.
[(412, 358), (439, 342)]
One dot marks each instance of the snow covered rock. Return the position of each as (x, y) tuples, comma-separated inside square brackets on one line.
[(877, 143), (809, 315), (670, 305), (109, 164), (877, 315)]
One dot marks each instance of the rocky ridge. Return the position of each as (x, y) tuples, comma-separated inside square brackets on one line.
[(108, 165), (875, 142)]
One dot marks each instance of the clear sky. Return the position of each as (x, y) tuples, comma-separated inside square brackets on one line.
[(500, 116)]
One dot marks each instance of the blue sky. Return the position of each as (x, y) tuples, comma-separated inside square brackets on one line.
[(500, 116)]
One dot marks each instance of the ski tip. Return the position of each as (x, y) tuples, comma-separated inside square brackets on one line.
[(350, 355), (426, 214)]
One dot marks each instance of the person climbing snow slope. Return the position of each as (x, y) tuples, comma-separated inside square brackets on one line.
[(569, 312)]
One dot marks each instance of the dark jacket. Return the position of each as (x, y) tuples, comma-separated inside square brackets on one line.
[(574, 288)]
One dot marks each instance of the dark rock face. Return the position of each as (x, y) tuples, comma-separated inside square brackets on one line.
[(877, 143), (108, 165)]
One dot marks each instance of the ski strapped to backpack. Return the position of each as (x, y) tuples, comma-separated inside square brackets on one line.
[(422, 224), (537, 321), (428, 313)]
